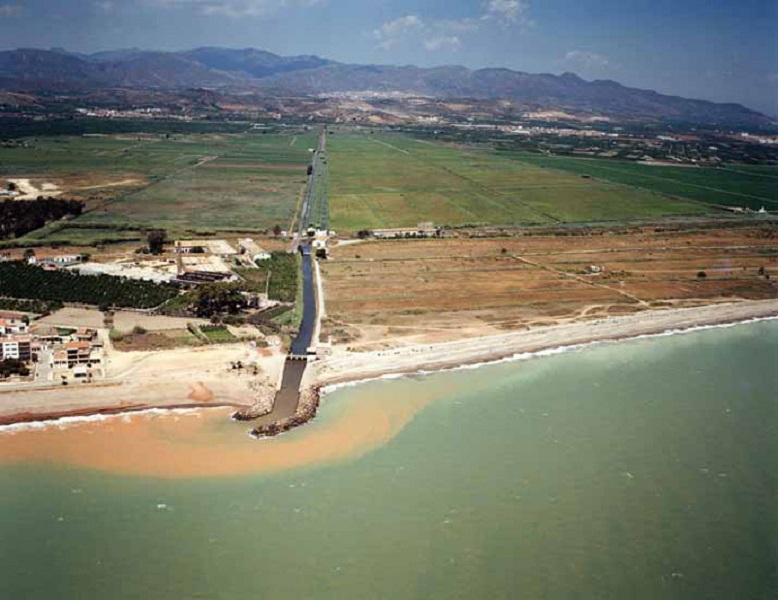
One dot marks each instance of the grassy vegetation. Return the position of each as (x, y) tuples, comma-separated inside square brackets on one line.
[(319, 215), (217, 334), (283, 269), (69, 234), (183, 183), (751, 187), (158, 340), (390, 180)]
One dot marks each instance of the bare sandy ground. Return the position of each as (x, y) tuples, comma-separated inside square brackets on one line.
[(121, 183), (345, 366), (123, 320), (30, 191), (175, 377)]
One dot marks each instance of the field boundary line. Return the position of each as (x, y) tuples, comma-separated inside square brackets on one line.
[(388, 145), (581, 279), (670, 179)]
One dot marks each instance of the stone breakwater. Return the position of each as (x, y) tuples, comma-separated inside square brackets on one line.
[(306, 411), (262, 405)]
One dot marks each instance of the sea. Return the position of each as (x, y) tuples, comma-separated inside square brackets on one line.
[(645, 468)]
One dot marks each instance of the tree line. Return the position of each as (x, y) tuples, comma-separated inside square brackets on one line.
[(19, 217), (19, 280)]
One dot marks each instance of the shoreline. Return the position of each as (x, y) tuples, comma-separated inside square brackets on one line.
[(355, 368), (358, 368), (53, 417)]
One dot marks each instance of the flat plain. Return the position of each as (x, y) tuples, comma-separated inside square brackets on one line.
[(382, 294), (183, 183), (391, 180), (745, 186)]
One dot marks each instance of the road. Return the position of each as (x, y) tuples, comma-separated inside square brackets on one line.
[(305, 210)]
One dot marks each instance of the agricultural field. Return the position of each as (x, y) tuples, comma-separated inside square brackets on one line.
[(380, 294), (183, 183), (736, 185), (390, 180), (217, 334)]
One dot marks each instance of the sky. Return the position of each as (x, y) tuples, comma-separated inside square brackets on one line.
[(721, 50)]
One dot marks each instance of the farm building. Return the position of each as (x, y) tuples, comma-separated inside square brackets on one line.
[(217, 247), (249, 247), (422, 230), (203, 269)]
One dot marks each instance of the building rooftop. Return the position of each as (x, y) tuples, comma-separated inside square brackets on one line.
[(77, 345), (205, 263), (221, 247)]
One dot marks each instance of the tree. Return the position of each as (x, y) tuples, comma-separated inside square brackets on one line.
[(213, 299), (28, 254), (702, 275), (156, 239), (277, 230)]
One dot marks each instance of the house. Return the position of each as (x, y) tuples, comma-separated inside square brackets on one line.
[(60, 359), (9, 348), (19, 348), (47, 333), (65, 260), (9, 326), (84, 334), (78, 353), (12, 315), (95, 356)]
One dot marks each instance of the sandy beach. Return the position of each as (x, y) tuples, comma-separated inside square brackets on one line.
[(136, 380), (342, 367), (199, 377)]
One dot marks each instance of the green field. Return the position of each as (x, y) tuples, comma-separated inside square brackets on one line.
[(736, 185), (217, 334), (391, 180), (186, 183)]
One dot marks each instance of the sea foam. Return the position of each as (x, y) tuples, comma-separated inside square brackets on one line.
[(75, 421), (556, 350)]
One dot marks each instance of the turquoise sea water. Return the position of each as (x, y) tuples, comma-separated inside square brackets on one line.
[(644, 469)]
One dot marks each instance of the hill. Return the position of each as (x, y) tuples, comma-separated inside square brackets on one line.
[(261, 72)]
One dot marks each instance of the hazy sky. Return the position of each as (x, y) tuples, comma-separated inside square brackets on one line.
[(723, 50)]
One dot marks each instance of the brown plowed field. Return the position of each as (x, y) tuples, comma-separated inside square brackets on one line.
[(395, 292)]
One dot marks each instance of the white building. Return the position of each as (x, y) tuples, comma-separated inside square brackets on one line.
[(9, 326), (251, 248)]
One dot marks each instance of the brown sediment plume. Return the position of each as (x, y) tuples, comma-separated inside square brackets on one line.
[(205, 443), (53, 416)]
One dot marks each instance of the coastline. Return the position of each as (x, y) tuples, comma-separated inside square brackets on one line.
[(345, 369), (356, 368), (8, 422)]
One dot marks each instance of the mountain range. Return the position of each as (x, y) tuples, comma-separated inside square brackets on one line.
[(261, 72)]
